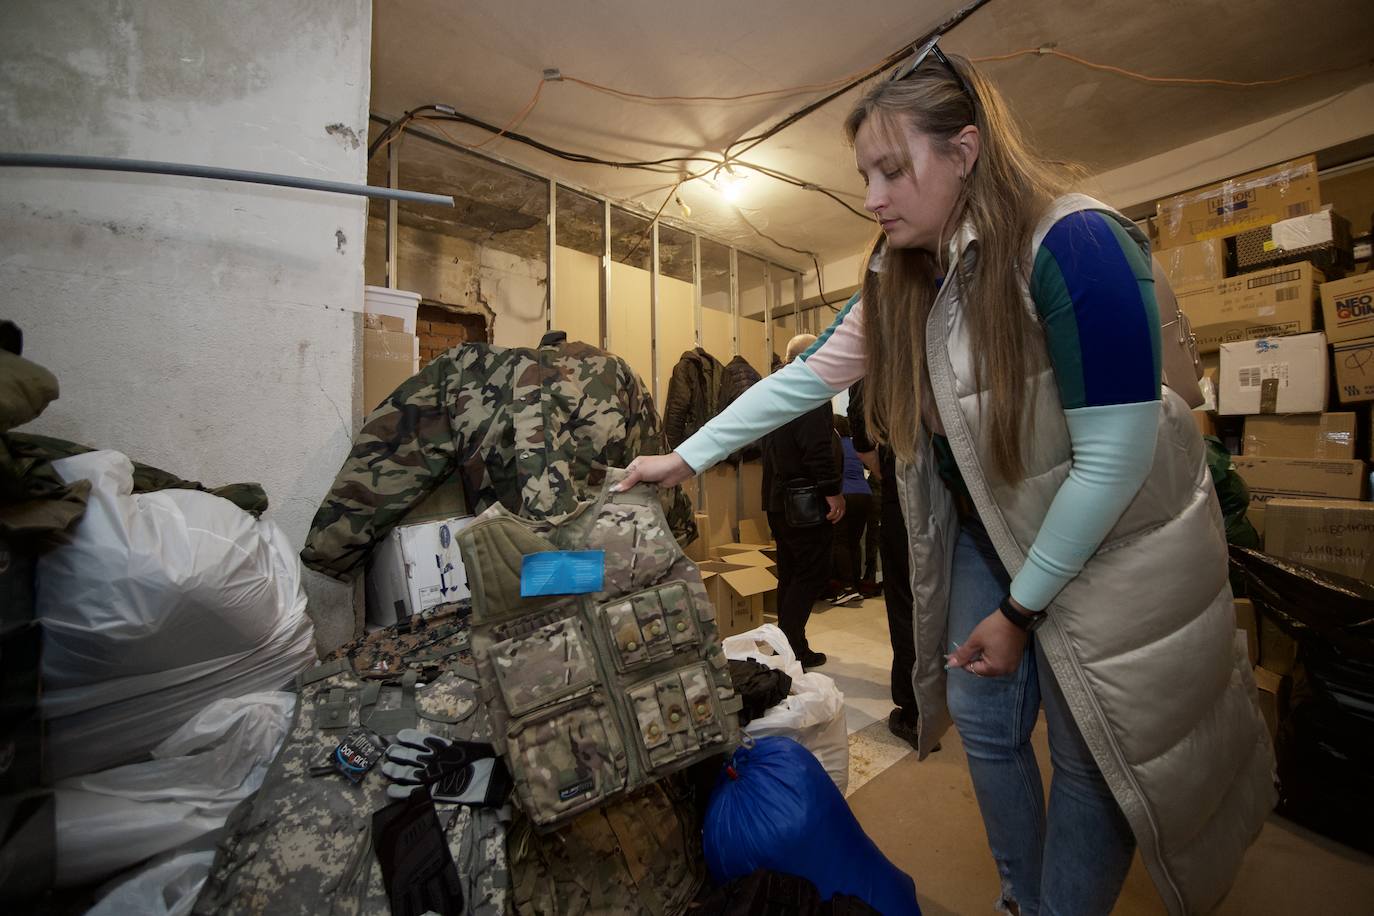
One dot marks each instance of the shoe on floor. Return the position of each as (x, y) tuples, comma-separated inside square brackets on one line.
[(812, 660), (870, 589), (903, 725), (847, 598)]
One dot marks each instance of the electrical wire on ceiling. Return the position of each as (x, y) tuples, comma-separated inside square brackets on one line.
[(436, 114)]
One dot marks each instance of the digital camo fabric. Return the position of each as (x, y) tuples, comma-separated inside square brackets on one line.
[(302, 844), (530, 429), (593, 696)]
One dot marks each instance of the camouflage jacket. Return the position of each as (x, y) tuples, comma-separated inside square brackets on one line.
[(531, 429)]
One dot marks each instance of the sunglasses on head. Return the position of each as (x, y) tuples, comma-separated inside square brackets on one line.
[(932, 47)]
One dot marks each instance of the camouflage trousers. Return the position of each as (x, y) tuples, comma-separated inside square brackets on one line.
[(302, 845)]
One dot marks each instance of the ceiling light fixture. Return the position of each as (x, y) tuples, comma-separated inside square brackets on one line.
[(728, 182)]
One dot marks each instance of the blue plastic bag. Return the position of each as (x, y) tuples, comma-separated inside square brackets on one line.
[(775, 807)]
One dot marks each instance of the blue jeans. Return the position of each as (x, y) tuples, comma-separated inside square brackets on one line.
[(1073, 861)]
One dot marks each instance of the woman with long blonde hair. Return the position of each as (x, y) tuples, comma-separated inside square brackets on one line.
[(1067, 550)]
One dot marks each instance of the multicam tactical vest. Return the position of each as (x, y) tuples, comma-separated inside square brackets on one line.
[(302, 844), (595, 695)]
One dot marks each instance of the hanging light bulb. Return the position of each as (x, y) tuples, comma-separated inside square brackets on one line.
[(728, 182)]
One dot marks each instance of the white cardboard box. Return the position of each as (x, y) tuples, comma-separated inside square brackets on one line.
[(1274, 375), (415, 568)]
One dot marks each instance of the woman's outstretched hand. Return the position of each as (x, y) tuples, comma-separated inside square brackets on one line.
[(665, 470)]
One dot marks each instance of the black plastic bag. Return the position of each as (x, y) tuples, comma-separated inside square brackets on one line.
[(1325, 744)]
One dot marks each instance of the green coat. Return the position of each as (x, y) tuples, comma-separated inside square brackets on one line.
[(532, 429)]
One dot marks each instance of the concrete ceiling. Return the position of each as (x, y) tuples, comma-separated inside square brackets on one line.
[(486, 60)]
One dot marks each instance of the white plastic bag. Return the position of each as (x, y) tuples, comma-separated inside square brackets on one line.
[(166, 888), (813, 712), (162, 603), (767, 645), (111, 820)]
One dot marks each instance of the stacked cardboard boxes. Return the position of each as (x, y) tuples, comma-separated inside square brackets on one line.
[(1249, 259)]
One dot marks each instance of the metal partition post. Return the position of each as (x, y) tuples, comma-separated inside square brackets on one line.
[(606, 275), (653, 311), (551, 274), (696, 285), (734, 302), (393, 213), (768, 316)]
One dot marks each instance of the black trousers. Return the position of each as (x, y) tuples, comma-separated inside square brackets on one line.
[(897, 596), (849, 539), (803, 571)]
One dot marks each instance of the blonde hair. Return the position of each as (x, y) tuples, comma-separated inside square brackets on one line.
[(797, 345), (1002, 196)]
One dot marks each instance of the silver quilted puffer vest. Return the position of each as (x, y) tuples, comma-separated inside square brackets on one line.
[(1142, 641)]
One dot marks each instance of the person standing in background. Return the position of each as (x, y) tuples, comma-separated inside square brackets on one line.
[(849, 536), (893, 544), (802, 451)]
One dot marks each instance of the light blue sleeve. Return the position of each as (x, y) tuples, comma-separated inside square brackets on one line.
[(786, 394), (1113, 451)]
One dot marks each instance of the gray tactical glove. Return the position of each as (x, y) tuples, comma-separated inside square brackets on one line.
[(454, 772)]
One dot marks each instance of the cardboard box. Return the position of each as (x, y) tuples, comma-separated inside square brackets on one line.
[(1226, 208), (1274, 375), (755, 531), (1354, 361), (1277, 302), (1206, 422), (1273, 698), (700, 549), (721, 502), (751, 558), (737, 593), (1278, 651), (1300, 478), (1195, 263), (724, 550), (1324, 435), (416, 568), (1336, 535), (1322, 238), (1245, 620), (1255, 514), (1348, 308), (389, 358)]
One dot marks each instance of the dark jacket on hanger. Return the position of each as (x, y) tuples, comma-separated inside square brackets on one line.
[(735, 379), (693, 393)]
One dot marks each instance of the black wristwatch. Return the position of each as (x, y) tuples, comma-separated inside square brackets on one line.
[(1028, 622)]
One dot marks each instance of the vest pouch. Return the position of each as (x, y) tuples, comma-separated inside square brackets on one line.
[(676, 715), (566, 759), (677, 611), (544, 665), (649, 626)]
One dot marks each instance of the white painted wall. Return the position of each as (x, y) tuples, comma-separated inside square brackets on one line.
[(209, 328)]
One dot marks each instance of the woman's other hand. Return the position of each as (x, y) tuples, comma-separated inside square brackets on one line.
[(665, 470), (993, 649), (836, 509)]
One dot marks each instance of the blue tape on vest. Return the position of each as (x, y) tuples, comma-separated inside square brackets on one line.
[(562, 572)]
